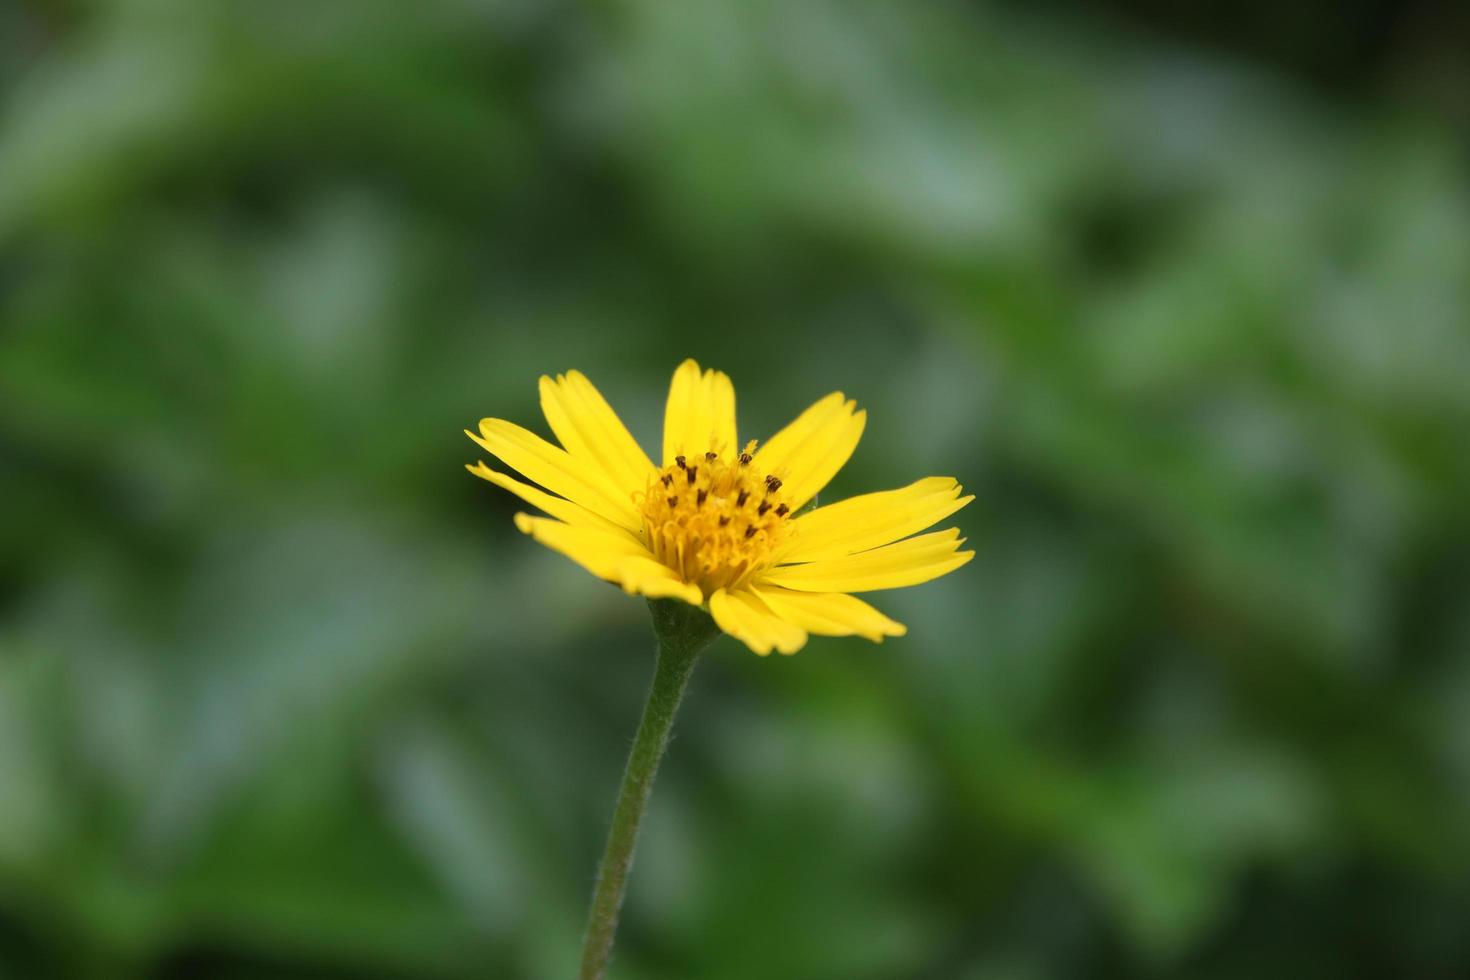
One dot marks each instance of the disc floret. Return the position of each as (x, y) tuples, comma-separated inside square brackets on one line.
[(715, 520)]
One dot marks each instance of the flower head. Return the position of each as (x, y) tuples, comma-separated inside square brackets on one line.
[(720, 522)]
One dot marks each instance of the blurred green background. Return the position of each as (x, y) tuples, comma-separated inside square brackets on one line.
[(1181, 293)]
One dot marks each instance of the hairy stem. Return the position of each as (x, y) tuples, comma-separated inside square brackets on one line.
[(683, 631)]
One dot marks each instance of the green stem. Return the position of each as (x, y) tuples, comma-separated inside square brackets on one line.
[(683, 631)]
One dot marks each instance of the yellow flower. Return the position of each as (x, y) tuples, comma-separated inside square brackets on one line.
[(718, 522)]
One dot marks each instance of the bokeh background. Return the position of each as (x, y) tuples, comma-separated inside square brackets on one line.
[(1183, 295)]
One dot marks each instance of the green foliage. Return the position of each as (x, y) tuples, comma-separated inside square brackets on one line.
[(284, 694)]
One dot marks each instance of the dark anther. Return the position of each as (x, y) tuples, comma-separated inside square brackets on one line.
[(699, 498), (668, 478), (679, 460), (711, 456), (750, 531), (772, 484), (673, 501), (692, 471), (745, 459), (761, 510), (782, 511), (724, 521), (744, 496)]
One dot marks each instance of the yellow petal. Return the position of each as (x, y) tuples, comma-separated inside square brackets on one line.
[(592, 432), (556, 470), (557, 507), (873, 519), (893, 566), (808, 453), (562, 536), (612, 557), (751, 621), (829, 613), (645, 577), (700, 414)]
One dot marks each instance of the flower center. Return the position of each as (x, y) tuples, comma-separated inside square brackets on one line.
[(714, 522)]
